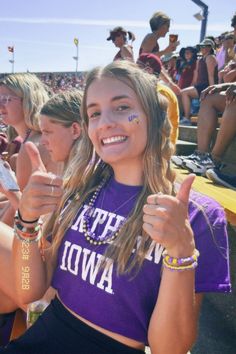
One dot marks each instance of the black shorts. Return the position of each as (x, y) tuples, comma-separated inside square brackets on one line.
[(200, 88), (57, 331)]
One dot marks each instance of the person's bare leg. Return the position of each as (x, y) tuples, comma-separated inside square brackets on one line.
[(187, 95), (227, 131), (220, 76), (208, 119), (230, 76)]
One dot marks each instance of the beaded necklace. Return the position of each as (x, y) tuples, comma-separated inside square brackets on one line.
[(90, 236)]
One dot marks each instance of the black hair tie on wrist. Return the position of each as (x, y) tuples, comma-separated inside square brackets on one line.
[(25, 221)]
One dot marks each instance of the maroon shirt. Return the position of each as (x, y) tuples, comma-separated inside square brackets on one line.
[(186, 76)]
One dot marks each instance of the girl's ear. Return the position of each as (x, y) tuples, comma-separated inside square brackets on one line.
[(76, 130)]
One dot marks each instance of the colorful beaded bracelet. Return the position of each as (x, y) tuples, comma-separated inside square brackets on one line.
[(27, 230), (29, 234), (173, 261), (27, 239), (26, 234), (181, 268)]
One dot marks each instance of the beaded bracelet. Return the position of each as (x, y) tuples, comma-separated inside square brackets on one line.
[(18, 215), (173, 261), (29, 234), (27, 239), (180, 268), (26, 236)]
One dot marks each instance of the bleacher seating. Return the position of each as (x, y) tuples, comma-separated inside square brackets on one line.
[(226, 197), (195, 118), (218, 310)]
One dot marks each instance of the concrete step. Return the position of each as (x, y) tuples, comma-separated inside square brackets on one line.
[(189, 135), (185, 147)]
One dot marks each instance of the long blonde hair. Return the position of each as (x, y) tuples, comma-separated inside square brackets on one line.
[(89, 170), (33, 93), (64, 109)]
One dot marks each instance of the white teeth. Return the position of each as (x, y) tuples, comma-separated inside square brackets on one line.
[(113, 139)]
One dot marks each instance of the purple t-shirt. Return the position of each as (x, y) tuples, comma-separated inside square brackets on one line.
[(124, 304)]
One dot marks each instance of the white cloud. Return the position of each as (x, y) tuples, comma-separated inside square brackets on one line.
[(56, 44), (218, 27)]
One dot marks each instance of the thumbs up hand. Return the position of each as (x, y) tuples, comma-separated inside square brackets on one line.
[(166, 220), (43, 191)]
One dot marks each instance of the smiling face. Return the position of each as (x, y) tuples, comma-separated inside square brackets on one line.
[(117, 139), (11, 109), (57, 138)]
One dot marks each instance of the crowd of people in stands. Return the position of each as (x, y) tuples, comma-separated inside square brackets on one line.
[(98, 214), (57, 82), (63, 81)]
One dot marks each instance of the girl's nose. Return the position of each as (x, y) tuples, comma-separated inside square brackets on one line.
[(107, 119), (43, 140)]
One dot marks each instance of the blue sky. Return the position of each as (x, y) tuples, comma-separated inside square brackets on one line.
[(42, 32)]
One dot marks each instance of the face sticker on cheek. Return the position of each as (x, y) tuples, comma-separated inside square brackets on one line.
[(133, 118)]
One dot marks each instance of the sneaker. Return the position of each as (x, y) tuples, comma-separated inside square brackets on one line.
[(179, 159), (201, 165), (185, 121), (223, 179)]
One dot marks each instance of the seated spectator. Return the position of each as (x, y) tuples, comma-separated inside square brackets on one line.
[(119, 36), (9, 147), (228, 74), (14, 143), (206, 74), (186, 66), (229, 45), (218, 175), (164, 75), (169, 62), (233, 24), (220, 51), (213, 101), (152, 64), (21, 98), (159, 24)]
